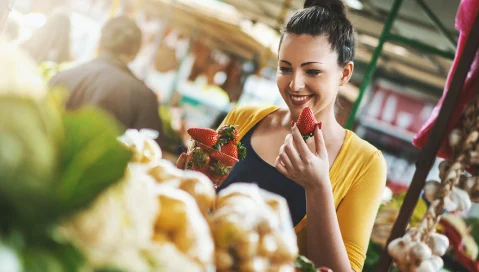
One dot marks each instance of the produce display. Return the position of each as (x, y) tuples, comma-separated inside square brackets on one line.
[(421, 247), (214, 153), (252, 231)]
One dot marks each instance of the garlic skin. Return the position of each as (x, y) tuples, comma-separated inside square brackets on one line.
[(455, 137), (461, 199), (442, 169), (438, 243), (419, 252), (431, 189), (398, 250), (437, 262), (457, 200), (425, 266)]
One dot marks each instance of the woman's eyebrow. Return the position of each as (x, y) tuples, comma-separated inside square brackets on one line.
[(287, 62), (311, 62)]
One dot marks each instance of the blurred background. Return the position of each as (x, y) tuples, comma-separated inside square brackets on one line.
[(203, 57)]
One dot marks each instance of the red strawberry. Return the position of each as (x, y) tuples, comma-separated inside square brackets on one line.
[(206, 136), (223, 158), (219, 171), (306, 123), (230, 153), (198, 159), (228, 133), (230, 149)]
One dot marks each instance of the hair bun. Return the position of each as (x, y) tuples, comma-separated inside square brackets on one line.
[(335, 6)]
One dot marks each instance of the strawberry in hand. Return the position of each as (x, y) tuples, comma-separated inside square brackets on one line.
[(206, 136), (228, 133), (198, 159), (306, 123)]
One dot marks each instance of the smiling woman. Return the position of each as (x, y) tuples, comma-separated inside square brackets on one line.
[(333, 182)]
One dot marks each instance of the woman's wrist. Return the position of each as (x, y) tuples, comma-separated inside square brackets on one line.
[(319, 188)]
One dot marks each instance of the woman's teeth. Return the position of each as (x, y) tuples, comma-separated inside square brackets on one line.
[(299, 98)]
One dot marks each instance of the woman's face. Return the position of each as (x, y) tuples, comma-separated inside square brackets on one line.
[(308, 73)]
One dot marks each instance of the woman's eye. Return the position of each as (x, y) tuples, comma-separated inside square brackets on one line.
[(313, 72), (285, 69)]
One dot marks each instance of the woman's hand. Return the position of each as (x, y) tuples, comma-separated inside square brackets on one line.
[(180, 163), (296, 161)]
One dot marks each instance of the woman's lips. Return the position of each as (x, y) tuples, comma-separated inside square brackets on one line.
[(299, 100)]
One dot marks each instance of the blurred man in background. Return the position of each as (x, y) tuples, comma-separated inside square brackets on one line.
[(108, 83)]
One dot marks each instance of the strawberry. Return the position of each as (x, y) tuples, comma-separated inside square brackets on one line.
[(228, 133), (206, 136), (230, 153), (219, 170), (223, 158), (306, 123), (230, 149), (198, 159)]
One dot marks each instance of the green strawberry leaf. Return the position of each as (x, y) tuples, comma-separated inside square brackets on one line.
[(241, 151)]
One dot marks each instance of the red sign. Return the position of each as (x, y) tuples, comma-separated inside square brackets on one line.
[(399, 109)]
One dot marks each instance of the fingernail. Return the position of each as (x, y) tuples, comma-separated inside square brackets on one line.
[(319, 125), (180, 149), (292, 123)]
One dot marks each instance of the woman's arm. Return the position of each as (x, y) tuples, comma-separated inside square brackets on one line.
[(336, 239), (311, 171), (324, 243)]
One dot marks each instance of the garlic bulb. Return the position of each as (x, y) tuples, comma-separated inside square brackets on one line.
[(419, 252), (431, 189), (461, 198), (425, 266), (455, 137), (437, 262), (438, 244), (442, 169), (398, 249)]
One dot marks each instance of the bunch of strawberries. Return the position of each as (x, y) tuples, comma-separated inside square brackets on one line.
[(215, 152)]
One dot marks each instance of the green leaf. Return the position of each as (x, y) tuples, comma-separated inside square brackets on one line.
[(30, 135), (304, 264), (92, 158)]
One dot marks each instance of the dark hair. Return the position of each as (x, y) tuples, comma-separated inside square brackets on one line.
[(121, 36), (51, 42), (328, 18)]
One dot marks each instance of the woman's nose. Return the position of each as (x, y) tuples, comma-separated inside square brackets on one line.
[(297, 82)]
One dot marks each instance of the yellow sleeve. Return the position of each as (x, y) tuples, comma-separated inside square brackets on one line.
[(358, 209)]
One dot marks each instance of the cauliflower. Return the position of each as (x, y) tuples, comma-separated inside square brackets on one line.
[(115, 229)]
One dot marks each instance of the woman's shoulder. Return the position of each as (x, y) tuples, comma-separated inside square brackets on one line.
[(246, 112), (364, 157), (247, 116)]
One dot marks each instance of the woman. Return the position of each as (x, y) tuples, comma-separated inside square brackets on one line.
[(334, 182)]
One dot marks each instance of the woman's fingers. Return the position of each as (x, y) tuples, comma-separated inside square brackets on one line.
[(300, 144), (281, 168), (180, 163)]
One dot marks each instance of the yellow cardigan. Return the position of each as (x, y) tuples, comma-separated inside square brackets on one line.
[(358, 177)]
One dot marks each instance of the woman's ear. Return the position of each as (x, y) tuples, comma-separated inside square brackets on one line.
[(347, 72)]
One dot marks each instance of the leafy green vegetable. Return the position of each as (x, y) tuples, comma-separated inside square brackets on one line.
[(305, 265), (92, 158), (50, 168), (30, 134)]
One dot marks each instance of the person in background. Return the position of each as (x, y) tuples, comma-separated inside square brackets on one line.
[(108, 83), (51, 42)]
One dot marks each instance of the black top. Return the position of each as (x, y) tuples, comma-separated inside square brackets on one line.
[(253, 169), (107, 83)]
